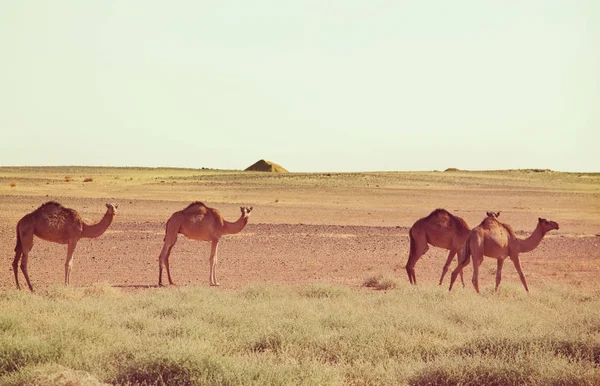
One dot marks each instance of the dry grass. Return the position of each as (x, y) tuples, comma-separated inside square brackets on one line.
[(13, 184), (312, 334), (88, 179), (68, 178)]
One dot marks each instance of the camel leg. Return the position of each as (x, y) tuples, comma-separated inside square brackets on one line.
[(476, 263), (213, 262), (447, 265), (463, 261), (24, 260), (499, 273), (163, 259), (517, 264), (69, 262), (15, 266), (419, 248), (171, 282), (22, 254)]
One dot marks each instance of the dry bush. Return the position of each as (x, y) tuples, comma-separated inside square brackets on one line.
[(372, 281), (68, 178), (88, 179), (13, 184), (380, 283)]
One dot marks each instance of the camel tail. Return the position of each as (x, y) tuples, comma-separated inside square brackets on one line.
[(170, 224), (166, 227), (467, 252), (18, 246), (412, 245)]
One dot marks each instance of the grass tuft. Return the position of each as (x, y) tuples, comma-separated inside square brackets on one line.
[(68, 178), (323, 291), (88, 179), (13, 184)]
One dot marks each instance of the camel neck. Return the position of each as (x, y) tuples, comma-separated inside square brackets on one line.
[(235, 227), (96, 230), (530, 243)]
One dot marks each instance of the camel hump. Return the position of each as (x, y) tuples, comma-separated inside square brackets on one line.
[(53, 209), (489, 221), (51, 205), (194, 205), (492, 222), (446, 219), (438, 212)]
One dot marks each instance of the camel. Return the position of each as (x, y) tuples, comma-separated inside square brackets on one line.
[(199, 222), (494, 239), (440, 229), (53, 222)]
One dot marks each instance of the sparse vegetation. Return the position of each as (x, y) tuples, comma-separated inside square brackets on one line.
[(88, 179), (13, 184), (68, 178), (380, 282), (313, 334)]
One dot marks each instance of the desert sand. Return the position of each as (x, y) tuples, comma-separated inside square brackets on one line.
[(305, 227)]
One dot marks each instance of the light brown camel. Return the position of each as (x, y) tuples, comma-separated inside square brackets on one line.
[(440, 229), (199, 222), (53, 222), (494, 239)]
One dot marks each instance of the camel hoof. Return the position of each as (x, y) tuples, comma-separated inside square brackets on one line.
[(215, 284)]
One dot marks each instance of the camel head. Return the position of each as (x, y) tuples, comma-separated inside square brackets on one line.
[(493, 214), (112, 208), (547, 225), (246, 211)]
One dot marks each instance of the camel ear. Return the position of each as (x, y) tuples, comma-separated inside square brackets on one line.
[(250, 209), (540, 219)]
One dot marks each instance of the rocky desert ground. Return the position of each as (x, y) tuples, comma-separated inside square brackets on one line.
[(305, 227)]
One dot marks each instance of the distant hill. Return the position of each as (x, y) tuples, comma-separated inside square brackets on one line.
[(265, 166)]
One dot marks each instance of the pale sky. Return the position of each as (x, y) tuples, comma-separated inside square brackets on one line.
[(312, 85)]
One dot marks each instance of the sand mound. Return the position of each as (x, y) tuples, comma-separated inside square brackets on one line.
[(266, 166), (452, 170)]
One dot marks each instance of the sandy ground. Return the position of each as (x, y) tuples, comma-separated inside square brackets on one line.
[(304, 228)]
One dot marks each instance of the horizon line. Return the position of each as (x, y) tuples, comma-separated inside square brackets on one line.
[(447, 170)]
